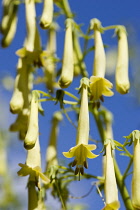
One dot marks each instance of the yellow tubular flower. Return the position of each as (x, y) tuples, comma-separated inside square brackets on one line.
[(31, 24), (66, 77), (111, 191), (122, 80), (99, 53), (47, 15), (20, 97), (82, 150), (32, 132), (99, 86), (136, 170)]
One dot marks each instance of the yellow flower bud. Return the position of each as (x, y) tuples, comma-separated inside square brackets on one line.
[(47, 15), (122, 80), (136, 171), (99, 53), (32, 132), (66, 77)]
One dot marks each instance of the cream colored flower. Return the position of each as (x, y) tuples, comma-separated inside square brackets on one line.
[(32, 132), (122, 79), (66, 77), (47, 15), (31, 24), (99, 65)]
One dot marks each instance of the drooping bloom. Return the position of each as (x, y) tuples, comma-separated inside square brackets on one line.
[(111, 191), (47, 15), (67, 72), (32, 132), (20, 94), (135, 137), (30, 24), (82, 150), (100, 87), (122, 79), (99, 65)]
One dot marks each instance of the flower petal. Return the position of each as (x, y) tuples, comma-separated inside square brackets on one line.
[(91, 155), (68, 154), (24, 171), (90, 147)]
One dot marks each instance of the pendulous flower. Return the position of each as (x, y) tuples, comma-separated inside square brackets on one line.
[(82, 150), (32, 132), (66, 77), (47, 15), (122, 79), (99, 65)]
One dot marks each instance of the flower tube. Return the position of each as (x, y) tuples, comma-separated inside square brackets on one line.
[(31, 24), (122, 79), (68, 58), (47, 15), (32, 132), (82, 150), (111, 191), (99, 65), (99, 86)]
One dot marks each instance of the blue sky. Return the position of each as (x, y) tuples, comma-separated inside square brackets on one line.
[(125, 108)]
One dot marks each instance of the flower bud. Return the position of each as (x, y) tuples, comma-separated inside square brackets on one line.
[(47, 15), (68, 63), (32, 132), (122, 80), (99, 54)]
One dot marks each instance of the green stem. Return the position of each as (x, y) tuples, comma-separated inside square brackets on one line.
[(127, 152), (67, 9), (71, 95), (127, 169), (110, 27)]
